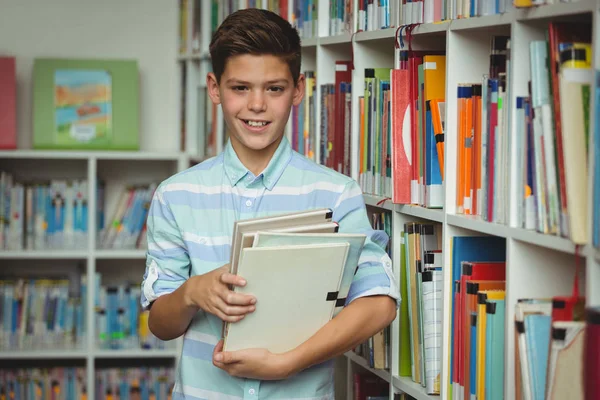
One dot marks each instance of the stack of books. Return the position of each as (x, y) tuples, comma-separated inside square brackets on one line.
[(299, 268)]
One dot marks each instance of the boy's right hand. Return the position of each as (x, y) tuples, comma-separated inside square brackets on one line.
[(211, 293)]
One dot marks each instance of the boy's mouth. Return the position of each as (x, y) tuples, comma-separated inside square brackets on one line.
[(255, 124)]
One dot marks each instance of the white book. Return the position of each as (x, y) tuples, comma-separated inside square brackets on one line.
[(292, 304), (254, 225)]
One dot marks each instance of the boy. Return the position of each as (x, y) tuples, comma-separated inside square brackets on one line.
[(256, 79)]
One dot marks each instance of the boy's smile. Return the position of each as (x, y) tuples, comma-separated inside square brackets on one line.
[(256, 94)]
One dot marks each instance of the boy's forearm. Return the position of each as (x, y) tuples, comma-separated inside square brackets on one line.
[(171, 314), (360, 320)]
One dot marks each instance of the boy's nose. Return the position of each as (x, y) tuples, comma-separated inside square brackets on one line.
[(257, 102)]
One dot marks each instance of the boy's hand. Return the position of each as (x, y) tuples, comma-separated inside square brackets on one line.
[(211, 293), (252, 363)]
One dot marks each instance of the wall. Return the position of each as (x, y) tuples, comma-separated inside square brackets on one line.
[(145, 30)]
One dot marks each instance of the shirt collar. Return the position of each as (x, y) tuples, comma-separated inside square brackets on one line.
[(235, 170)]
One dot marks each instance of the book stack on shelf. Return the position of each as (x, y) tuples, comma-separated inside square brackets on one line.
[(69, 383), (135, 383)]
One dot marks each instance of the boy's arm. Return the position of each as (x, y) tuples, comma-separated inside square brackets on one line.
[(167, 288)]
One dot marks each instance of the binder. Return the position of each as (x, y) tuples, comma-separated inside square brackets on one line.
[(565, 368), (291, 304)]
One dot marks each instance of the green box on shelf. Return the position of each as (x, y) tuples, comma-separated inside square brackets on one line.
[(90, 104)]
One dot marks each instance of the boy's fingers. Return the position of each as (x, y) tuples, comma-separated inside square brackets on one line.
[(230, 279), (229, 310), (237, 299)]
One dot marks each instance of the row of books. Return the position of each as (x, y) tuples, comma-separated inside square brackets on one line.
[(145, 383), (553, 134), (376, 14), (483, 139), (303, 17), (421, 281), (304, 120), (120, 322), (43, 215), (126, 228), (70, 383), (369, 387), (477, 317), (418, 126), (557, 347), (41, 314), (336, 119), (54, 215), (374, 161)]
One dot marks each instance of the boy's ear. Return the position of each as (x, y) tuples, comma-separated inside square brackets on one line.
[(213, 88), (299, 90)]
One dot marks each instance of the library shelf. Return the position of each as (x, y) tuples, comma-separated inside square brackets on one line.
[(85, 155), (67, 354), (338, 39), (388, 33), (378, 202), (43, 254), (136, 353), (406, 385), (431, 214), (382, 373), (556, 10), (310, 42)]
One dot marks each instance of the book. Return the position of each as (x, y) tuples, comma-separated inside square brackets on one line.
[(286, 220), (282, 278), (8, 103)]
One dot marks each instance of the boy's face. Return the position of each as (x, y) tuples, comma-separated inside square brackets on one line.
[(256, 94)]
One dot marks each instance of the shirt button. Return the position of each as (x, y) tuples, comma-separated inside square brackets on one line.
[(248, 203), (251, 392)]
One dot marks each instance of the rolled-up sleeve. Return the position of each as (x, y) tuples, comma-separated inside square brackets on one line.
[(167, 259), (374, 275)]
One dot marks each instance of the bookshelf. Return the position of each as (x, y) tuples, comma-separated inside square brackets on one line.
[(537, 264)]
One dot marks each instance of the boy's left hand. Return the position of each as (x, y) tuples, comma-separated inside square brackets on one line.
[(252, 363)]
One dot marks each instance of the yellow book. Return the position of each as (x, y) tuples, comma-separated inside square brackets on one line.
[(482, 298)]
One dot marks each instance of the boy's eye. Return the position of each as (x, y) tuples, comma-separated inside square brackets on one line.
[(276, 89), (239, 88)]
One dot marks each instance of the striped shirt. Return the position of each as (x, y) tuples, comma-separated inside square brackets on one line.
[(189, 229)]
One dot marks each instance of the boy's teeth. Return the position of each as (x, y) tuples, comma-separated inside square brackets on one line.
[(256, 123)]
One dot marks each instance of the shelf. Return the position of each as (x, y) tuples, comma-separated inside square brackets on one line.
[(373, 201), (43, 355), (431, 214), (138, 353), (133, 254), (84, 155), (310, 42), (338, 39), (483, 22), (434, 27), (411, 388), (556, 10), (389, 33), (44, 255), (532, 237), (382, 373)]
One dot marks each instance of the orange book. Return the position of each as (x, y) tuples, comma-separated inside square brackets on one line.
[(476, 149), (437, 110), (463, 90), (468, 151)]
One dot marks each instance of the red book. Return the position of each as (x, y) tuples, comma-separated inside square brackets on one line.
[(401, 136), (343, 73), (8, 103)]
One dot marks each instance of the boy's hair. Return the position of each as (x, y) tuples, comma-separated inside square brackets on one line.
[(255, 31)]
